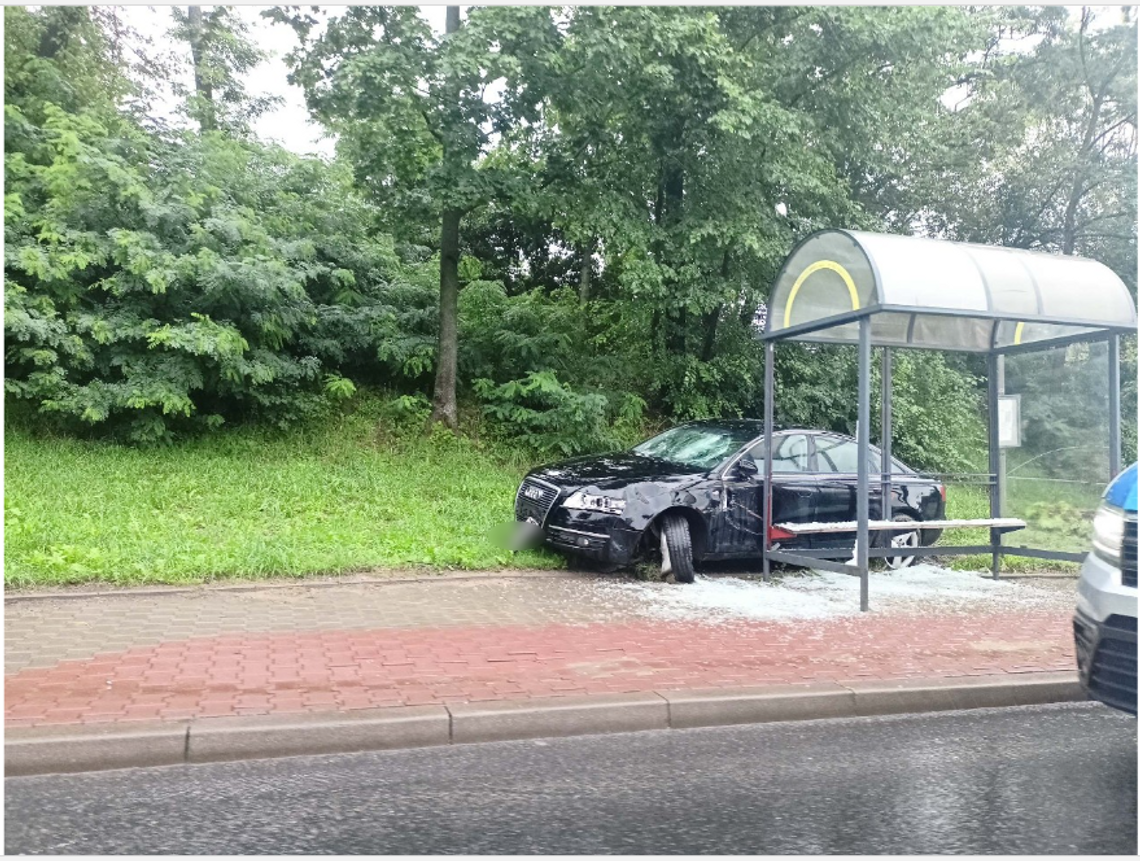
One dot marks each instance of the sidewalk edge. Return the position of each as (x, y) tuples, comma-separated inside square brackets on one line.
[(96, 747)]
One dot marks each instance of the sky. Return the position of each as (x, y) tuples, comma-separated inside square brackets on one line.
[(289, 124)]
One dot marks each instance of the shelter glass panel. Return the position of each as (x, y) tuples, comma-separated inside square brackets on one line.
[(891, 329), (1055, 478), (1012, 334), (835, 272), (953, 333), (1076, 289)]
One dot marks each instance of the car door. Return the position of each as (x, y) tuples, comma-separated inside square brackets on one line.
[(837, 465), (741, 524)]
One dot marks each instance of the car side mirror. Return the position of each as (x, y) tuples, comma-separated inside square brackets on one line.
[(747, 468)]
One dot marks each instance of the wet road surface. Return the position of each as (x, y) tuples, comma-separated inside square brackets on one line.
[(1034, 780)]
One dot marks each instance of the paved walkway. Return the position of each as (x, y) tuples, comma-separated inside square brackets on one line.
[(216, 651)]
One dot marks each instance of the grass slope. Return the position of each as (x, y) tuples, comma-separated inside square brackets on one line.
[(246, 503)]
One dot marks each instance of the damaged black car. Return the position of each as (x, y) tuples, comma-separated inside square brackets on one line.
[(695, 494)]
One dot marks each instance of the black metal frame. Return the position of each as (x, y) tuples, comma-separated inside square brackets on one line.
[(996, 355)]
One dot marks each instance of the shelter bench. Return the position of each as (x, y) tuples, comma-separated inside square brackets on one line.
[(1001, 524), (823, 558)]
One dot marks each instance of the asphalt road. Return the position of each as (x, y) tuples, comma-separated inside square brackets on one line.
[(1036, 780)]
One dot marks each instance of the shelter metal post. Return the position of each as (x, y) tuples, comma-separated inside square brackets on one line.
[(885, 436), (996, 488), (1001, 461), (863, 434), (1114, 406), (769, 384)]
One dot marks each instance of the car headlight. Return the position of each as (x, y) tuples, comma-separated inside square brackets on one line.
[(595, 502), (1108, 534)]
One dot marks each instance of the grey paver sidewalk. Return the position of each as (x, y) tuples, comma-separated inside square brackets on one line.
[(42, 631)]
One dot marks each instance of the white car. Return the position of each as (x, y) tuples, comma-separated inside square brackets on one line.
[(1105, 621)]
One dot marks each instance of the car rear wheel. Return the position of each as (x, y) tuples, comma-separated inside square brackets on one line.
[(677, 548), (902, 540)]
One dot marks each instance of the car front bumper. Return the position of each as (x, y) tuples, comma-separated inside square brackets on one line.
[(606, 538), (1104, 628), (616, 548), (600, 539)]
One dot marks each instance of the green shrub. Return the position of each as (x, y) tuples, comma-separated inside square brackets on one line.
[(154, 287), (550, 418)]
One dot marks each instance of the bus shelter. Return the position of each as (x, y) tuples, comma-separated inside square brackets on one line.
[(888, 291)]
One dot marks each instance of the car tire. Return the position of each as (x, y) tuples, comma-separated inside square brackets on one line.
[(901, 539), (675, 530)]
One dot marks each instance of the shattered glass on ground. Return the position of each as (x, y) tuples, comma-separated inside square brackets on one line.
[(826, 595)]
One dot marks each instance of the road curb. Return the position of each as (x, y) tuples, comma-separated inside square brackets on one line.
[(96, 747)]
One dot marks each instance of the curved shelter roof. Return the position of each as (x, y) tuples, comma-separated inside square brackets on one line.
[(934, 294)]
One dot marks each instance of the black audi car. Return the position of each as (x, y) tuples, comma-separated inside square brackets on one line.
[(695, 493)]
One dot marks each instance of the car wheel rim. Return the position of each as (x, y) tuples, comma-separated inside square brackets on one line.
[(908, 540)]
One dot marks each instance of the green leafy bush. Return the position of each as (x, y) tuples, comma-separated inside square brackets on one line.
[(154, 287), (551, 418)]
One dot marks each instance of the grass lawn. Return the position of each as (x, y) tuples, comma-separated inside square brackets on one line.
[(249, 503), (1057, 525)]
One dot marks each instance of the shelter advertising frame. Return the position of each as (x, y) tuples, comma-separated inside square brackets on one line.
[(920, 293)]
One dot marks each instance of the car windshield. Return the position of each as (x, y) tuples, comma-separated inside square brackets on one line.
[(698, 446)]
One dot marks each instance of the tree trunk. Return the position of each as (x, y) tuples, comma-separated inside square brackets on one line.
[(678, 320), (1077, 192), (443, 404), (710, 321), (586, 255), (444, 408), (59, 29), (203, 88)]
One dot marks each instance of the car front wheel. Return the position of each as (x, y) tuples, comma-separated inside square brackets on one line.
[(677, 548)]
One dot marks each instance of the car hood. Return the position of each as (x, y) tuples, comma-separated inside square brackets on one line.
[(614, 470)]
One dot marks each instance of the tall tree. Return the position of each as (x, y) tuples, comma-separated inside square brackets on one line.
[(1042, 154), (693, 146), (59, 55), (415, 116), (203, 83), (223, 54), (443, 406)]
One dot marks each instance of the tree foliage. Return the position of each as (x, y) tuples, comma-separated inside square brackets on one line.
[(153, 285), (222, 55), (567, 215)]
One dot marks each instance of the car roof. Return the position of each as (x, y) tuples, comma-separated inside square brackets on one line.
[(757, 425), (750, 424), (730, 424)]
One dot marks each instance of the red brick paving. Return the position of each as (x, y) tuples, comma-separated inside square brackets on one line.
[(281, 672)]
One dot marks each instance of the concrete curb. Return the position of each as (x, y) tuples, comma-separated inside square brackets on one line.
[(96, 747), (12, 596)]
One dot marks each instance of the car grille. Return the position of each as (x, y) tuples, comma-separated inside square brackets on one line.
[(575, 539), (1112, 677), (534, 500), (1128, 554)]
